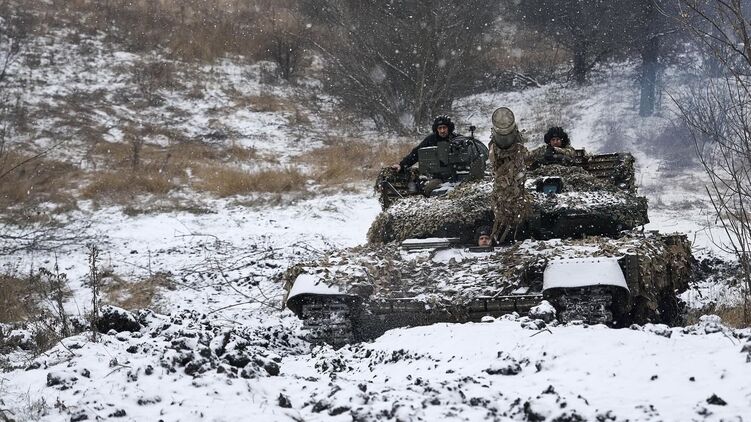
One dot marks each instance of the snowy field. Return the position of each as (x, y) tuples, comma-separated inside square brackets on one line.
[(217, 346), (504, 369)]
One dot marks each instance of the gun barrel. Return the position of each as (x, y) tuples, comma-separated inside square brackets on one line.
[(504, 121), (504, 132)]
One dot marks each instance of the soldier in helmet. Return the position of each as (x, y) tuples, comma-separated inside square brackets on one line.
[(557, 149), (443, 131), (483, 236)]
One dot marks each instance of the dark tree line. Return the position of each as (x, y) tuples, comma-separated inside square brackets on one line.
[(401, 61), (596, 30)]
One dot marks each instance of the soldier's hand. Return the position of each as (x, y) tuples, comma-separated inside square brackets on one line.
[(397, 167), (549, 153)]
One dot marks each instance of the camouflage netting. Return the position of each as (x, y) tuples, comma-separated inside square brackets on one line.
[(575, 178), (469, 205), (391, 185), (416, 216), (512, 203), (456, 276), (664, 269), (626, 211)]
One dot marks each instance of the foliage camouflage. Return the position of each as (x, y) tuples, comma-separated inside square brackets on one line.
[(512, 204), (454, 277), (472, 204)]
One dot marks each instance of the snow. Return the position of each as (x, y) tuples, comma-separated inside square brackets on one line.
[(583, 272), (310, 284), (226, 302)]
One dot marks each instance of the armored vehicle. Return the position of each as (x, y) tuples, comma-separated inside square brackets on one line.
[(578, 247), (453, 161)]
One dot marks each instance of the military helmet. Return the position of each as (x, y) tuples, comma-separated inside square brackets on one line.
[(443, 119), (557, 132)]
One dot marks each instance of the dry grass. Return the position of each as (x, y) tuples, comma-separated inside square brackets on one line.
[(24, 180), (203, 30), (122, 186), (225, 182), (240, 153), (134, 169), (17, 301), (138, 294), (266, 103), (344, 160), (527, 51), (738, 316)]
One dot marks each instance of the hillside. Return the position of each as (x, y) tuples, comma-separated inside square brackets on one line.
[(193, 186)]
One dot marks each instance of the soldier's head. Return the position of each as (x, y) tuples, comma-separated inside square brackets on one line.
[(482, 236), (443, 126), (557, 137)]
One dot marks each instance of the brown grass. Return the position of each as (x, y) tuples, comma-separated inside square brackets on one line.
[(158, 170), (267, 103), (240, 153), (138, 294), (343, 160), (38, 180), (226, 182), (122, 186), (196, 30), (17, 301), (738, 316)]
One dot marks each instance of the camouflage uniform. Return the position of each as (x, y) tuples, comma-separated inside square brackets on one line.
[(430, 141), (557, 155), (548, 154)]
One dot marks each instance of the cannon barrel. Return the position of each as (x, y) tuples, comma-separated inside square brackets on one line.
[(504, 132)]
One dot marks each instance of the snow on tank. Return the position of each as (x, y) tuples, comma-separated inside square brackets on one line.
[(572, 273)]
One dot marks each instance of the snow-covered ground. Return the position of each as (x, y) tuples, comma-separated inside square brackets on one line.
[(221, 349), (505, 369)]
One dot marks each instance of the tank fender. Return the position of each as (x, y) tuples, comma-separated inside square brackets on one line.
[(582, 272), (307, 285)]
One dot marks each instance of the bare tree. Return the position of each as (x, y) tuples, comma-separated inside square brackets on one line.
[(592, 30), (401, 62), (283, 35), (13, 28), (718, 112)]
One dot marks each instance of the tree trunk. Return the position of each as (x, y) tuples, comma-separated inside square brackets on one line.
[(649, 55), (580, 62)]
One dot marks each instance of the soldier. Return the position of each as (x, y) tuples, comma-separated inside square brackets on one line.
[(443, 131), (557, 149), (483, 236)]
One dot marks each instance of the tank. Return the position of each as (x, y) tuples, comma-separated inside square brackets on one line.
[(576, 247)]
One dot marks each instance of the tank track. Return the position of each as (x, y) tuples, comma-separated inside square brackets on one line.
[(328, 320), (592, 305)]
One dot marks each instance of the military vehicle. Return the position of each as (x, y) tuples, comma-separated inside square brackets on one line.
[(579, 248), (454, 161)]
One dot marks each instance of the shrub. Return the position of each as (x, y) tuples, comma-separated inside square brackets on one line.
[(139, 294), (17, 301)]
